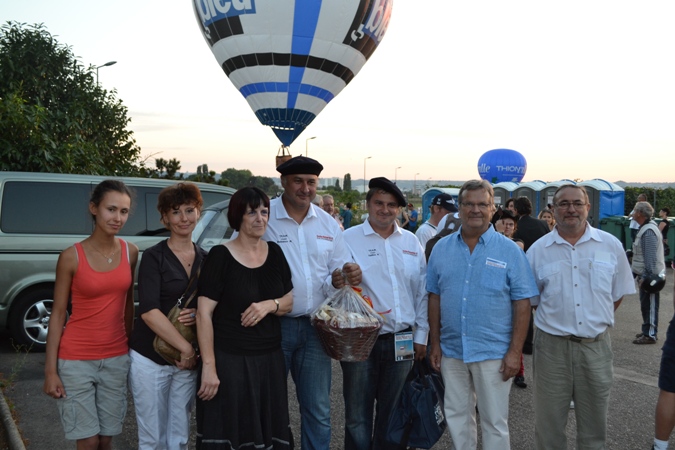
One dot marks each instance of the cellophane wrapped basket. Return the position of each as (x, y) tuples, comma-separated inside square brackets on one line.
[(347, 325)]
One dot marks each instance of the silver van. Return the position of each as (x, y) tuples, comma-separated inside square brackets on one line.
[(41, 214)]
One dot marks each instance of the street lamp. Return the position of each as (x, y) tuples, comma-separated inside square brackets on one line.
[(109, 63), (364, 173), (415, 183), (396, 174), (307, 143)]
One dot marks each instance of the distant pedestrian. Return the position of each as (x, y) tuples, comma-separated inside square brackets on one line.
[(648, 262), (529, 228), (329, 207), (347, 216), (441, 205), (412, 218), (634, 225)]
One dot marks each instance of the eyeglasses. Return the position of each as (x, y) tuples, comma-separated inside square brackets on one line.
[(566, 205), (481, 206)]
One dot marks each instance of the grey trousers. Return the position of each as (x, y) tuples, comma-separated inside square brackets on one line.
[(565, 370)]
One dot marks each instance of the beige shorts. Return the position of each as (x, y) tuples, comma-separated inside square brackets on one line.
[(96, 396)]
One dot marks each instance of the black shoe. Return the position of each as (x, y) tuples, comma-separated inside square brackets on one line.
[(639, 335), (520, 382), (644, 340)]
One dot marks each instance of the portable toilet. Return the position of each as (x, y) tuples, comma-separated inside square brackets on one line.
[(429, 195), (607, 199), (546, 194), (503, 191), (530, 190)]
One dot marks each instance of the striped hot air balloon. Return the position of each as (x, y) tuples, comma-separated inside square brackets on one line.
[(289, 58)]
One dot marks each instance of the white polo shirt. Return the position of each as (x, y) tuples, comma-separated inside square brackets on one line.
[(313, 249), (394, 277), (578, 284)]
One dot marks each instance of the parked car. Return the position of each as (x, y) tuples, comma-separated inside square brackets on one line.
[(213, 227), (41, 214)]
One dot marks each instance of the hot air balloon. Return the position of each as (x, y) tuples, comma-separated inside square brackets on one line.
[(290, 58), (502, 164)]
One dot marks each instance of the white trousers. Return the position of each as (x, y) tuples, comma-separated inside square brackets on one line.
[(163, 399), (468, 385)]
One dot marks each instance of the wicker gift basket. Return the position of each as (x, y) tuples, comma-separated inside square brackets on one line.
[(347, 325)]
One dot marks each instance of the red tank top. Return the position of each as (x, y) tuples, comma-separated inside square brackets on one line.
[(96, 326)]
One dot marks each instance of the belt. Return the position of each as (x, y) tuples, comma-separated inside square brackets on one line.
[(384, 336), (581, 340)]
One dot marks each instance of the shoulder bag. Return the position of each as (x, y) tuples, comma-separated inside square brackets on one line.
[(189, 333)]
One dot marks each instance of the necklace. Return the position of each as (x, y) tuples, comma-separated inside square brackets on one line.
[(190, 255), (108, 258)]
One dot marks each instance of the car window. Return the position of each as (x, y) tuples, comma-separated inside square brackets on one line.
[(212, 228), (45, 208)]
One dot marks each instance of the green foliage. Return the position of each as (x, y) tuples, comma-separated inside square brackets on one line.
[(347, 183), (164, 169), (657, 197), (204, 175), (241, 178), (54, 117)]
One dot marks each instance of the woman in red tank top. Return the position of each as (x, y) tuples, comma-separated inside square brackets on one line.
[(86, 361)]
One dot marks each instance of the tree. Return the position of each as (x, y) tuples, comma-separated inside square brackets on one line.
[(337, 184), (237, 178), (54, 117), (204, 175), (347, 183)]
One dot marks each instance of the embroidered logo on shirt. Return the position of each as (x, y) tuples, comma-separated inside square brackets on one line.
[(373, 252), (495, 263), (409, 252), (283, 239), (325, 238)]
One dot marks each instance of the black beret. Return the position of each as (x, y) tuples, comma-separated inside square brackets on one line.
[(387, 186), (300, 165)]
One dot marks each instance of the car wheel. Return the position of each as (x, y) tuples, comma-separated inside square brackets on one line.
[(29, 322)]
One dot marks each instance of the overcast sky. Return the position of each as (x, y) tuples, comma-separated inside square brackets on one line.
[(583, 89)]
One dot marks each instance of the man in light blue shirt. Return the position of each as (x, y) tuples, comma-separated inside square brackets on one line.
[(479, 284)]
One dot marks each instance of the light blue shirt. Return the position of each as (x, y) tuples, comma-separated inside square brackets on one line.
[(477, 290)]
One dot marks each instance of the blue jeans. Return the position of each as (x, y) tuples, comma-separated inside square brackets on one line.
[(310, 368), (380, 378)]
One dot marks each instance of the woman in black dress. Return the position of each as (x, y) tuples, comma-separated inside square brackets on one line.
[(244, 286)]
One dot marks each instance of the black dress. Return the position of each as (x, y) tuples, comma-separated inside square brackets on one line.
[(251, 407)]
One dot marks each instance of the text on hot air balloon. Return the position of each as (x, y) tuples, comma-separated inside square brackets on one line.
[(213, 10), (484, 168), (377, 22)]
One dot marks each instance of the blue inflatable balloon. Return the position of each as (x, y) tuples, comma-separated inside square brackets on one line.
[(290, 58), (502, 164)]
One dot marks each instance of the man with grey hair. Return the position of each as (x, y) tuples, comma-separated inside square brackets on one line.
[(648, 263), (329, 207), (479, 285), (634, 225), (582, 274)]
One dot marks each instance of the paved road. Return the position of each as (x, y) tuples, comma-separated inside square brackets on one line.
[(631, 408)]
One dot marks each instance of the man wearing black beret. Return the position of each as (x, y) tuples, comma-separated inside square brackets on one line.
[(394, 269), (314, 248)]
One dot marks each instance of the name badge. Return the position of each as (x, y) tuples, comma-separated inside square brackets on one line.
[(403, 346)]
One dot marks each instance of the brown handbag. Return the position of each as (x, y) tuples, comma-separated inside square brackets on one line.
[(189, 333)]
